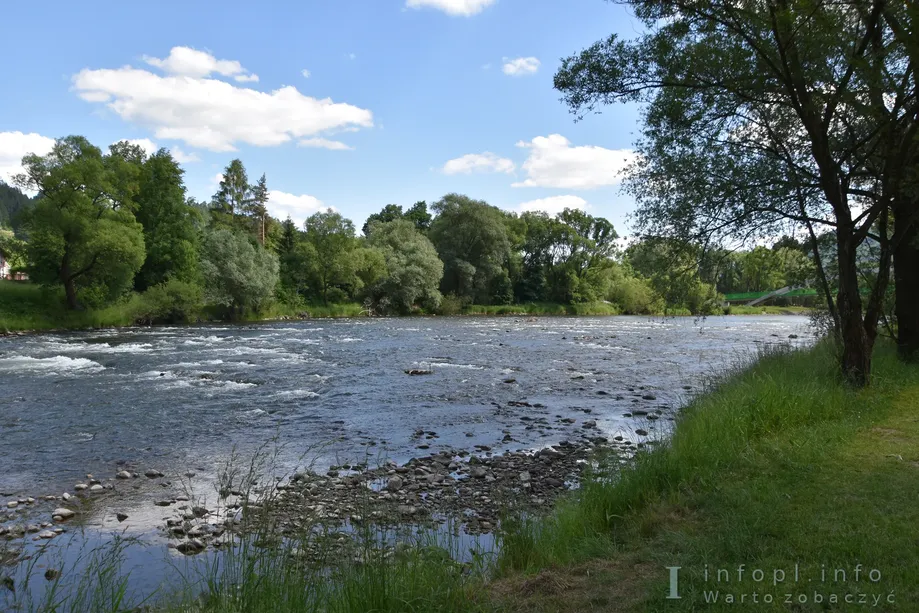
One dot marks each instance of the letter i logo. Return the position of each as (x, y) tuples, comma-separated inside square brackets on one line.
[(674, 582)]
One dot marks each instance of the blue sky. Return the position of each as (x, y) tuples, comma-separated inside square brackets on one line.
[(404, 100)]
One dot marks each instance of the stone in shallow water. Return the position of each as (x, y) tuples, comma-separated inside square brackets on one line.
[(123, 475), (46, 534), (641, 432), (96, 488), (63, 513), (190, 547), (153, 474)]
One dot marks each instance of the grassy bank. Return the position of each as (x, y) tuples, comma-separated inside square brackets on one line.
[(778, 466), (25, 306)]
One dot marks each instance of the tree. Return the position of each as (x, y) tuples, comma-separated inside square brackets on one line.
[(233, 196), (471, 239), (412, 268), (170, 235), (289, 236), (258, 207), (332, 238), (390, 212), (237, 274), (82, 230), (672, 269), (765, 115), (418, 215), (13, 250), (12, 203)]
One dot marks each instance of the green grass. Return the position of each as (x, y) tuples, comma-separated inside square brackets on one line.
[(766, 310), (26, 306), (779, 465)]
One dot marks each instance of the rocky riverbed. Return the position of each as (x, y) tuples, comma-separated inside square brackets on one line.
[(469, 490)]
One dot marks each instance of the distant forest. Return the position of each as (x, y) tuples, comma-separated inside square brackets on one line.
[(130, 229)]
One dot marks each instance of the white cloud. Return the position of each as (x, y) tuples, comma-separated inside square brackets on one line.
[(183, 157), (213, 114), (324, 143), (456, 8), (352, 56), (216, 179), (282, 204), (553, 162), (14, 145), (520, 66), (478, 162), (188, 62), (306, 73), (553, 204)]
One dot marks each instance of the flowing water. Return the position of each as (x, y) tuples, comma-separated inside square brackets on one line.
[(183, 398)]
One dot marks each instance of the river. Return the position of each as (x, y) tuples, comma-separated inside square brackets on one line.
[(181, 399)]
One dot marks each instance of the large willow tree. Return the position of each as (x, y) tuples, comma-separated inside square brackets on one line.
[(765, 114)]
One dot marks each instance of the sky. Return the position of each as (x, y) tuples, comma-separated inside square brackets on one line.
[(348, 104)]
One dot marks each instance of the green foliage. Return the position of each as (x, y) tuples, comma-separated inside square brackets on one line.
[(633, 295), (82, 231), (413, 269), (471, 239), (671, 268), (12, 203), (172, 301), (237, 274), (170, 235), (334, 275), (13, 250)]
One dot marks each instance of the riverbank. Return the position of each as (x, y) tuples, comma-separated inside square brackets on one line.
[(780, 468), (26, 307), (777, 467)]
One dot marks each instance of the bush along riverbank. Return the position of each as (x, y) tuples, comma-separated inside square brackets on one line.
[(26, 307), (779, 484)]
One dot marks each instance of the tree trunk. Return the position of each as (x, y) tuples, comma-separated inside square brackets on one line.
[(906, 282), (856, 346), (67, 280)]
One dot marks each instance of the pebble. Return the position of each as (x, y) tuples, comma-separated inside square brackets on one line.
[(153, 474), (96, 488), (123, 475), (80, 487), (63, 513)]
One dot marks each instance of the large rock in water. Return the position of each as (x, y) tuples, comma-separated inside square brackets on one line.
[(63, 513)]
